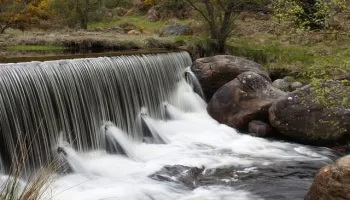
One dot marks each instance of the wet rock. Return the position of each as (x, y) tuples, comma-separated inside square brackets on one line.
[(193, 177), (332, 182), (296, 85), (188, 176), (281, 84), (214, 72), (300, 117), (175, 30), (259, 128), (285, 180), (248, 97)]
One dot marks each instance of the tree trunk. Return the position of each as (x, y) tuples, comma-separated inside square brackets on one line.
[(83, 22), (82, 12), (221, 45)]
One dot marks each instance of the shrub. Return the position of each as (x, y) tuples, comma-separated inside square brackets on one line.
[(308, 14)]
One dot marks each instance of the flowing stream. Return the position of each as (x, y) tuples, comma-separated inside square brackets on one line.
[(136, 128)]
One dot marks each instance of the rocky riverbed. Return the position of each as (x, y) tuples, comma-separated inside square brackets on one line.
[(241, 94)]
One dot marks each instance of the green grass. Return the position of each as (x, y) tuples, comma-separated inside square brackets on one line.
[(102, 25), (35, 48), (276, 54)]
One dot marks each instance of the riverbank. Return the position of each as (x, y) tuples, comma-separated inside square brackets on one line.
[(75, 40), (16, 46), (282, 51)]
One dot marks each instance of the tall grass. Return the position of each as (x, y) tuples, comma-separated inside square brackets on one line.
[(36, 182), (34, 189)]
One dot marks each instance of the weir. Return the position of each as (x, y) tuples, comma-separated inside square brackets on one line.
[(136, 127), (40, 100)]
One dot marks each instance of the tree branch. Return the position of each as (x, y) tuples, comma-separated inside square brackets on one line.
[(199, 10), (222, 5)]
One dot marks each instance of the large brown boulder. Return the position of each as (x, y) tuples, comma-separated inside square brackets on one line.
[(299, 117), (332, 182), (214, 72), (248, 97)]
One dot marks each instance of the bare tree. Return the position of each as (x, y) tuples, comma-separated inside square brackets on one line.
[(219, 15)]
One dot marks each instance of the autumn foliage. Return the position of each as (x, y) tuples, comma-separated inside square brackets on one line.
[(21, 13)]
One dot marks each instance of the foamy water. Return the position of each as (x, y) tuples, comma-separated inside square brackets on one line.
[(192, 138)]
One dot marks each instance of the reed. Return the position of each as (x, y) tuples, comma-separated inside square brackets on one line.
[(37, 182)]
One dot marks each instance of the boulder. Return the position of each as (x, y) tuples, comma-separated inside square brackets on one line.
[(188, 176), (332, 182), (300, 117), (175, 30), (214, 72), (296, 85), (248, 97), (281, 84), (259, 128)]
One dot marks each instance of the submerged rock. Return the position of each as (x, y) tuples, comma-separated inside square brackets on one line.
[(248, 97), (285, 180), (259, 128), (332, 182), (214, 72), (178, 173), (193, 177), (300, 117), (175, 30)]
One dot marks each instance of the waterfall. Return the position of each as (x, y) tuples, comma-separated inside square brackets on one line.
[(193, 81), (38, 100), (136, 127)]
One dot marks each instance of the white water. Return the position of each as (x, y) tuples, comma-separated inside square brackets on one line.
[(192, 138)]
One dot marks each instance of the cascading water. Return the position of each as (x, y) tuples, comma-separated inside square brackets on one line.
[(131, 127), (40, 99)]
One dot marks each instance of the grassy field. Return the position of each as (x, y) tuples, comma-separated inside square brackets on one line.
[(332, 56)]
